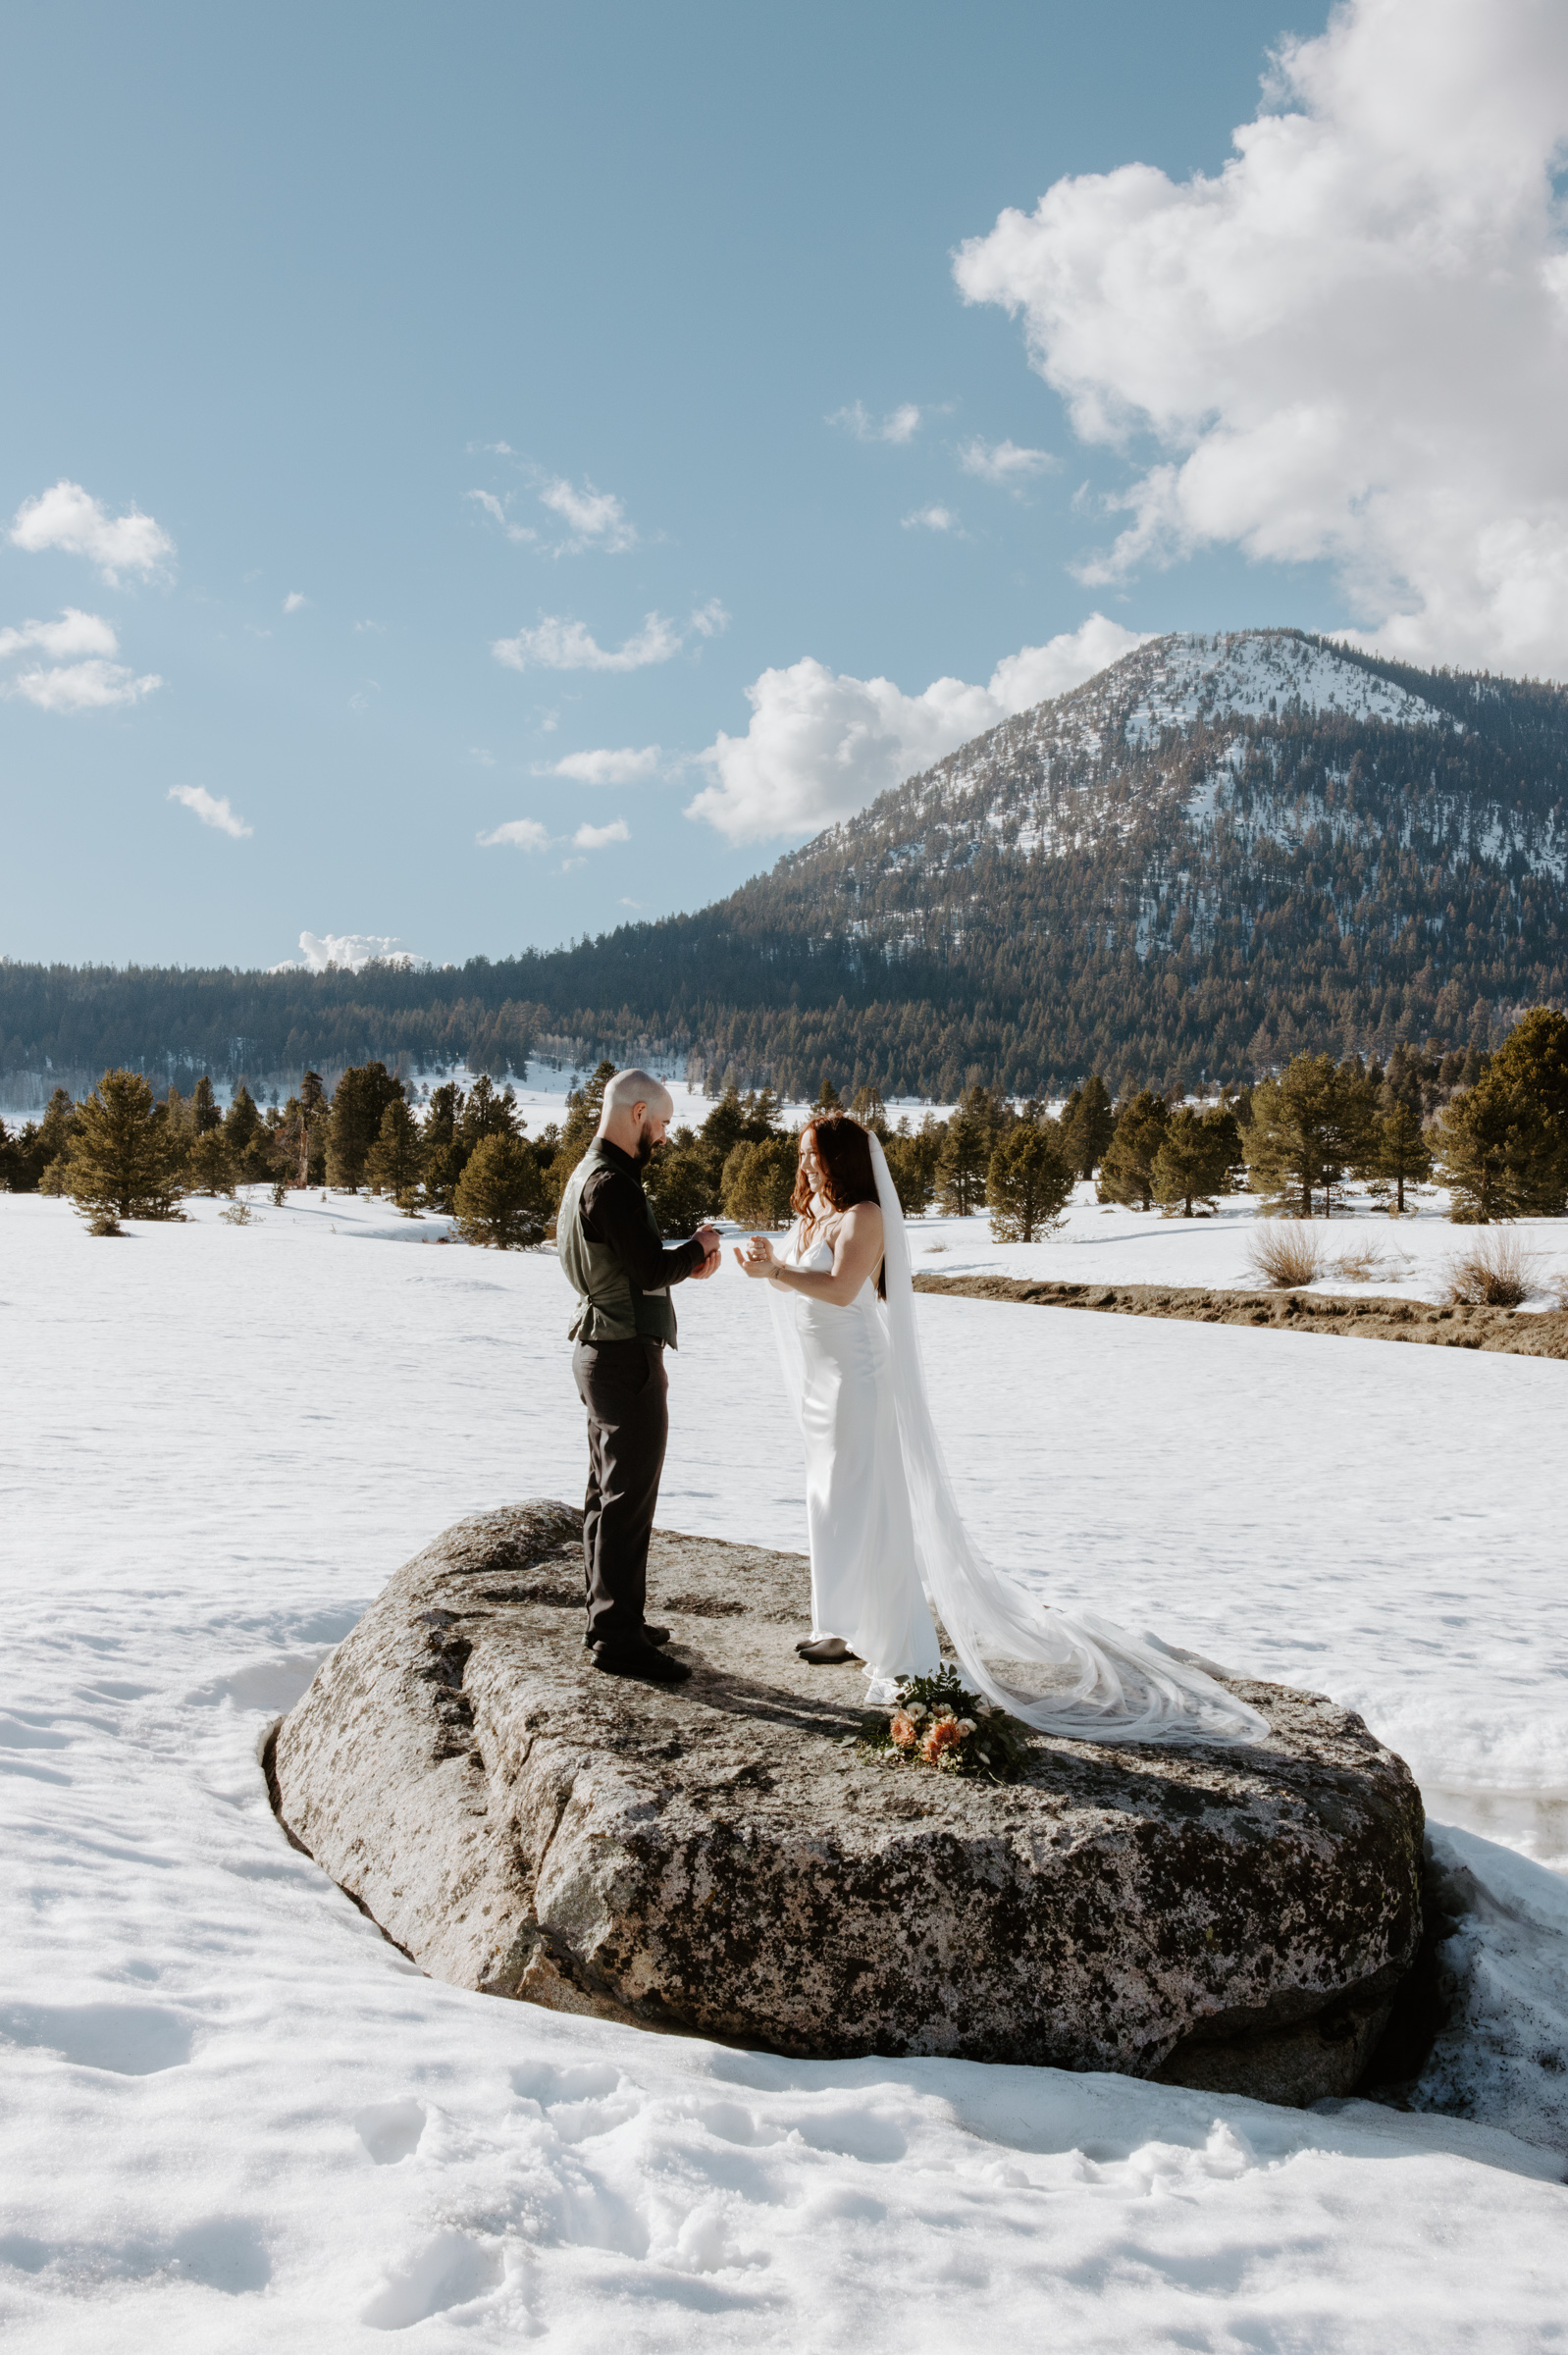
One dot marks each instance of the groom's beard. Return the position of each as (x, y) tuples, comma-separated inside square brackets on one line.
[(645, 1145)]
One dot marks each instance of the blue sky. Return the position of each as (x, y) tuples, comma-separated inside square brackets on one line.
[(440, 349)]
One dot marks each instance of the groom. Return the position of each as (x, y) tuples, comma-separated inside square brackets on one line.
[(609, 1246)]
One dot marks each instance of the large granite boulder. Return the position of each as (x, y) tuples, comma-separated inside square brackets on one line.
[(718, 1858)]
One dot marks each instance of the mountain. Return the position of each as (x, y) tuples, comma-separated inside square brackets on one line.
[(1217, 853)]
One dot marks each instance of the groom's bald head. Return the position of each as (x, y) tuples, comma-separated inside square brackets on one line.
[(636, 1109), (629, 1088)]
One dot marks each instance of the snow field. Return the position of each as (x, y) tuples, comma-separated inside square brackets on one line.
[(236, 2118)]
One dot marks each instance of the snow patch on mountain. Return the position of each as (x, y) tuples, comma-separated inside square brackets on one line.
[(1255, 674)]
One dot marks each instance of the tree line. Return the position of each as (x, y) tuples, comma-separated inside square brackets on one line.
[(1491, 1127)]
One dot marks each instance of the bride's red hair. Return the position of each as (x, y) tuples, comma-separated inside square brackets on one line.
[(844, 1150)]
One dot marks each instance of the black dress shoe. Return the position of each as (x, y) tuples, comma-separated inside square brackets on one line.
[(642, 1660), (830, 1652), (651, 1634)]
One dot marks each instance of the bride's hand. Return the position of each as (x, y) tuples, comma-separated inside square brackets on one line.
[(758, 1257)]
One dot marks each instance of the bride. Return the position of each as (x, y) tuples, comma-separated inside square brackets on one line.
[(887, 1540)]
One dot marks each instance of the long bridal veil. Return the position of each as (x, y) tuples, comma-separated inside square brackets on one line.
[(1090, 1680)]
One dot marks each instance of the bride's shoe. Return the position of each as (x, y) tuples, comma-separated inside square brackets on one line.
[(829, 1651)]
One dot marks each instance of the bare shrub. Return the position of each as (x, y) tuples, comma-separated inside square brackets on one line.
[(1284, 1254), (1494, 1273), (1558, 1289), (238, 1214)]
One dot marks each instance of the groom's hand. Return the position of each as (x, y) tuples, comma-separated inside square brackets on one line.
[(709, 1237), (706, 1267)]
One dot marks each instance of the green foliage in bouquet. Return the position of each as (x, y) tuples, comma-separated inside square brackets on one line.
[(937, 1723)]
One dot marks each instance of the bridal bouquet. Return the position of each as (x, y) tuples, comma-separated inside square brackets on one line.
[(937, 1723)]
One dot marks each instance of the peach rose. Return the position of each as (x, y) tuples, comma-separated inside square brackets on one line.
[(944, 1735)]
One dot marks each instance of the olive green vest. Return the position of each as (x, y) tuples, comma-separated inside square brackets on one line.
[(612, 1309)]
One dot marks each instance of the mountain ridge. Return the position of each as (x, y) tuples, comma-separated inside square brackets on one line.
[(1218, 850)]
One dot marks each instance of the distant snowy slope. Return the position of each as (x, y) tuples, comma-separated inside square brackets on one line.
[(1256, 674)]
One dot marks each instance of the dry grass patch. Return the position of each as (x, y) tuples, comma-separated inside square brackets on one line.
[(1284, 1254), (1495, 1272), (1369, 1263)]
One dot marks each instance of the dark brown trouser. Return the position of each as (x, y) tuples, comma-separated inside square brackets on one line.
[(626, 1391)]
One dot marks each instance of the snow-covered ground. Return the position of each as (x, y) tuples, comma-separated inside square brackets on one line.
[(236, 2118)]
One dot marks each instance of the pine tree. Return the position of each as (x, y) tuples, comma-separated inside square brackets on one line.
[(209, 1164), (963, 1163), (204, 1113), (392, 1166), (446, 1151), (247, 1138), (1499, 1154), (489, 1114), (20, 1159), (1309, 1124), (911, 1161), (56, 1131), (1126, 1169), (1193, 1160), (122, 1161), (758, 1181), (1397, 1154), (1029, 1183), (723, 1130), (501, 1198), (871, 1111), (358, 1102), (1503, 1143), (1088, 1123), (681, 1184), (309, 1138)]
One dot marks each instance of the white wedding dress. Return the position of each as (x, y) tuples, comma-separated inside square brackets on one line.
[(889, 1545)]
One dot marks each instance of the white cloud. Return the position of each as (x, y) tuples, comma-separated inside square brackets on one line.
[(354, 950), (596, 519), (293, 601), (528, 834), (80, 644), (820, 746), (931, 519), (492, 507), (210, 811), (710, 619), (518, 834), (482, 755), (377, 628), (898, 425), (81, 687), (1005, 462), (74, 634), (1348, 345), (629, 766), (557, 645), (67, 517)]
